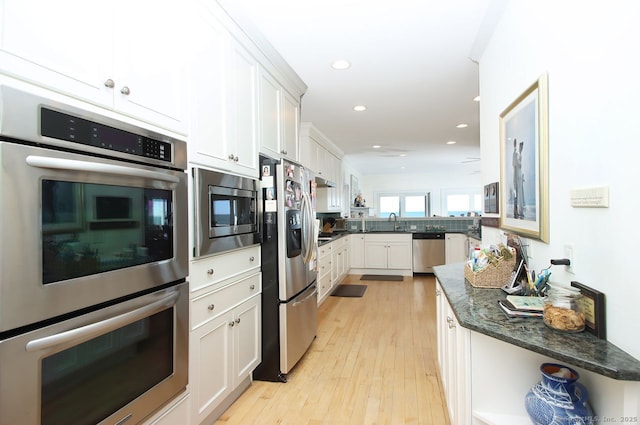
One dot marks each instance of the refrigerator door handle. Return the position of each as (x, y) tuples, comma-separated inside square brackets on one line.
[(311, 295), (307, 228)]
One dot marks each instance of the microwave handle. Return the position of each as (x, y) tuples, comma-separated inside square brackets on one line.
[(94, 167), (93, 330)]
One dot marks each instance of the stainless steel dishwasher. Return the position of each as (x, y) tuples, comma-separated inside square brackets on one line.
[(428, 251)]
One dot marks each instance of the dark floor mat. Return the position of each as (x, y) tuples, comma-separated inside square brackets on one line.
[(382, 277), (349, 291)]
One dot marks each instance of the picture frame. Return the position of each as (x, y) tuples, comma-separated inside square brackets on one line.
[(592, 305), (355, 189), (524, 163), (491, 198)]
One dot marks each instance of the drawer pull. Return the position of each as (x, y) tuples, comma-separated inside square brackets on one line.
[(210, 272), (211, 306), (252, 287), (252, 259)]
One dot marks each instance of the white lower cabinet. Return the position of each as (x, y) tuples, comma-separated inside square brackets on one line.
[(325, 276), (387, 251), (455, 248), (454, 361), (356, 251), (225, 341)]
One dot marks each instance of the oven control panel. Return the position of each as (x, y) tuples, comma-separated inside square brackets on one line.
[(62, 126)]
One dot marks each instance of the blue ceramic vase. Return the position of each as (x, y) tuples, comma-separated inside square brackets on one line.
[(558, 399)]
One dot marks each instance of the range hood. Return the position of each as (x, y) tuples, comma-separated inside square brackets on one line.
[(322, 182)]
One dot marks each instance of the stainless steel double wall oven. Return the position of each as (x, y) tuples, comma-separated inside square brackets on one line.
[(93, 261)]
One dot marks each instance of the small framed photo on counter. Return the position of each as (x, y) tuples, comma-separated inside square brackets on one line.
[(593, 309)]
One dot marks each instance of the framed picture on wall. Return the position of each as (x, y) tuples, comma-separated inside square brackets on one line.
[(524, 169)]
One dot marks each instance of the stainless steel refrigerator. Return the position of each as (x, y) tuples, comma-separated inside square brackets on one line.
[(289, 247)]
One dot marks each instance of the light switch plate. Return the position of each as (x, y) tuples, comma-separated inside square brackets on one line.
[(590, 197)]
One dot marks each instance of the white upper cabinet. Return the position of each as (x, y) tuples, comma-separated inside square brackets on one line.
[(127, 56), (241, 108), (222, 93), (290, 126), (270, 113), (278, 113)]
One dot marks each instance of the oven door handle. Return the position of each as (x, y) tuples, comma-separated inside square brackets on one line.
[(94, 167), (93, 330)]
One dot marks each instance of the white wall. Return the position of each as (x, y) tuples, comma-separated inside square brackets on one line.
[(590, 51)]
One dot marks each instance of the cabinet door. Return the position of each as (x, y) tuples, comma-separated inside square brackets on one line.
[(269, 112), (455, 248), (290, 125), (208, 142), (248, 337), (357, 251), (63, 45), (241, 110), (375, 255), (399, 255), (210, 365), (150, 62)]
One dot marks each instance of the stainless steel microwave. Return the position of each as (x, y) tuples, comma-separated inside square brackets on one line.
[(226, 208)]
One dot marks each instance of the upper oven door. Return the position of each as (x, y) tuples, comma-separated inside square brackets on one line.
[(77, 231)]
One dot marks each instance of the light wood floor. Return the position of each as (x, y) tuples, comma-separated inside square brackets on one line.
[(374, 362)]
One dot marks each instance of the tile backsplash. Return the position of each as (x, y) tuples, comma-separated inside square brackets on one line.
[(453, 224)]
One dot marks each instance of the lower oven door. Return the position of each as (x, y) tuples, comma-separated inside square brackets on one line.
[(111, 366)]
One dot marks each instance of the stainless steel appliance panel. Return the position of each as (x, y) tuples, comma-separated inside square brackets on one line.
[(428, 251), (298, 327), (117, 363), (56, 265), (297, 222), (226, 212)]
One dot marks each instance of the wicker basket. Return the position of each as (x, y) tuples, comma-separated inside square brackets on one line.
[(492, 276)]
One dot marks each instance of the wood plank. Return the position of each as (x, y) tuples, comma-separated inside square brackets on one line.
[(374, 362)]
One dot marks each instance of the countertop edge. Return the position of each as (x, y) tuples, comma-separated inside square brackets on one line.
[(477, 309)]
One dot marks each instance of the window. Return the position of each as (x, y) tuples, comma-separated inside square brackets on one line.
[(459, 202), (404, 205)]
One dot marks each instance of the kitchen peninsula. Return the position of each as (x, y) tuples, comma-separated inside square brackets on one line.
[(505, 354)]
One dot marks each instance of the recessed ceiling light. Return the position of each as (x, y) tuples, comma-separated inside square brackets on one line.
[(476, 99), (340, 64), (359, 108), (463, 125), (451, 142), (376, 146)]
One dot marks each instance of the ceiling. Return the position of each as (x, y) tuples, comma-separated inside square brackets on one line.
[(410, 66)]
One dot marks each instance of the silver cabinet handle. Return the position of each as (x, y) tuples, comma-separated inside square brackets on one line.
[(236, 158), (210, 272), (231, 157), (252, 287), (211, 307), (237, 320), (109, 83), (125, 91), (232, 323), (252, 259)]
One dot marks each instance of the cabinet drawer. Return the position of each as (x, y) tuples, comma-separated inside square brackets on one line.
[(325, 250), (217, 269), (324, 266), (216, 302)]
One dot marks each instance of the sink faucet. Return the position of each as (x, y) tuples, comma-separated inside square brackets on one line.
[(395, 221)]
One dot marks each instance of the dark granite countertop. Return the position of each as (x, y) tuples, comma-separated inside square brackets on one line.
[(477, 309)]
